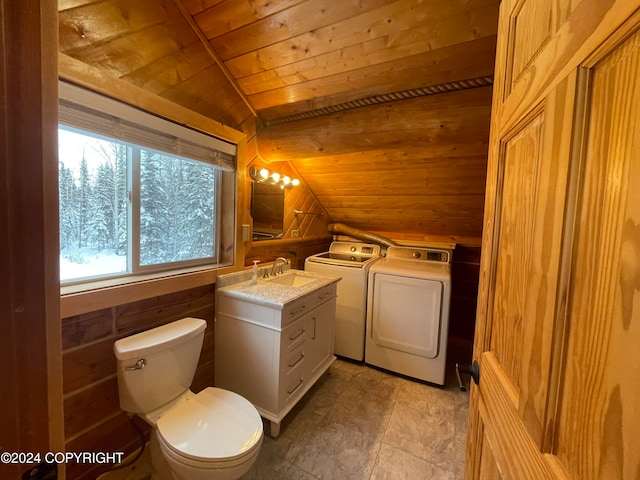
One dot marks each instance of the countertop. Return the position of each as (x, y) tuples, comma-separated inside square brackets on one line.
[(268, 293)]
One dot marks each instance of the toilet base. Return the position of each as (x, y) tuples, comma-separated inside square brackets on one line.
[(163, 470)]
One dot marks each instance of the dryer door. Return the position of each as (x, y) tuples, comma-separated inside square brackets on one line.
[(406, 314)]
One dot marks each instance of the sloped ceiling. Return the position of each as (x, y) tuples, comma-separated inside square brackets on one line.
[(281, 59), (288, 66)]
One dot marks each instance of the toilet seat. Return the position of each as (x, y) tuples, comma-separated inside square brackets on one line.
[(214, 429)]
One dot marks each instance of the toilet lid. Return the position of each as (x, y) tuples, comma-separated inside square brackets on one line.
[(214, 425)]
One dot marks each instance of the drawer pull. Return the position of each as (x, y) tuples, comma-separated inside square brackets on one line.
[(324, 295), (291, 365), (296, 387), (313, 335), (298, 335), (296, 312)]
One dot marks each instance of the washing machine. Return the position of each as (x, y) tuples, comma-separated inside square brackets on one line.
[(408, 300), (352, 262)]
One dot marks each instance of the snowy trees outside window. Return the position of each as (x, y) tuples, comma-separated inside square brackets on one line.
[(176, 209), (107, 231)]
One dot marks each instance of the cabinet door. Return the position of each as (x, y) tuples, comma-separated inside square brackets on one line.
[(321, 327)]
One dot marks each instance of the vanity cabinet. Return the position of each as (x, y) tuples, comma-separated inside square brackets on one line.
[(272, 355)]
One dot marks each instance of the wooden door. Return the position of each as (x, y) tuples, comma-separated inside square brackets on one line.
[(558, 330)]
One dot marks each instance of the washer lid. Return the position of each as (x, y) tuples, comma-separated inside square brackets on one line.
[(213, 425)]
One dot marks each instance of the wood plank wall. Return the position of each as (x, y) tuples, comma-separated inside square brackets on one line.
[(30, 346), (313, 236), (93, 419), (411, 170), (297, 198), (465, 274), (296, 250), (415, 166)]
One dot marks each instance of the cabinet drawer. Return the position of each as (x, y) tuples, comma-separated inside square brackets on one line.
[(294, 379), (293, 335), (292, 361), (321, 295), (294, 310)]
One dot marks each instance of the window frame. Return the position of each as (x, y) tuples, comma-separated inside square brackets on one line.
[(203, 268), (135, 228)]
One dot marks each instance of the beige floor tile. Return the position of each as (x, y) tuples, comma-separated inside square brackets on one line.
[(337, 452), (347, 368), (294, 430), (364, 412), (382, 384), (394, 464), (269, 465), (428, 399), (295, 473), (422, 435)]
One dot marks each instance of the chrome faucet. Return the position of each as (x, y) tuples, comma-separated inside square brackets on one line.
[(278, 261)]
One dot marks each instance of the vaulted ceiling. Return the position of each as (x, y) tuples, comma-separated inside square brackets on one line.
[(282, 59), (298, 71)]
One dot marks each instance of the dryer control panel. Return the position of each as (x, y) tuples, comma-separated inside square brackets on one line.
[(424, 254)]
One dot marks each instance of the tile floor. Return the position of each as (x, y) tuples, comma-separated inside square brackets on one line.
[(359, 423)]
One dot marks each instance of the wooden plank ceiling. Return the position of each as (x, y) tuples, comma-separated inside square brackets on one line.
[(283, 61), (286, 57), (292, 56)]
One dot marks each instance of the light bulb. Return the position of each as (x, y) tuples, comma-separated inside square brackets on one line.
[(264, 173), (295, 182), (286, 180), (275, 176)]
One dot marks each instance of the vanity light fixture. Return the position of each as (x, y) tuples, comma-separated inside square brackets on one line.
[(263, 175)]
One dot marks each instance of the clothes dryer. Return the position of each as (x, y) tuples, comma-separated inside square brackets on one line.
[(352, 262), (408, 300)]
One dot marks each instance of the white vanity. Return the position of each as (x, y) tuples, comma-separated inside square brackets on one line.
[(274, 339)]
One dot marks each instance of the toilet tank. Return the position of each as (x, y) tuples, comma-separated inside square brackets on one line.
[(170, 356)]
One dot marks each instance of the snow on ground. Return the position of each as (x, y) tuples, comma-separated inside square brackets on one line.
[(91, 264)]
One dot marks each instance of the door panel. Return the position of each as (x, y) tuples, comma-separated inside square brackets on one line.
[(534, 162), (531, 28), (600, 391), (516, 368), (520, 163), (532, 24), (488, 466), (558, 331), (515, 452)]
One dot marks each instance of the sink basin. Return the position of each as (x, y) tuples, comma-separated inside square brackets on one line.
[(293, 280)]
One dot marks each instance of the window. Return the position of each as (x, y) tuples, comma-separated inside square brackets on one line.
[(135, 197)]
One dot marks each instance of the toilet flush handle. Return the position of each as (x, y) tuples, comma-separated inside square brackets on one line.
[(140, 364)]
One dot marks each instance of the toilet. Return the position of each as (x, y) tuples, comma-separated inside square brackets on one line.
[(212, 435)]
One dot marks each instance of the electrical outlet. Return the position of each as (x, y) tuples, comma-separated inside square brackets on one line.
[(295, 233), (245, 233)]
